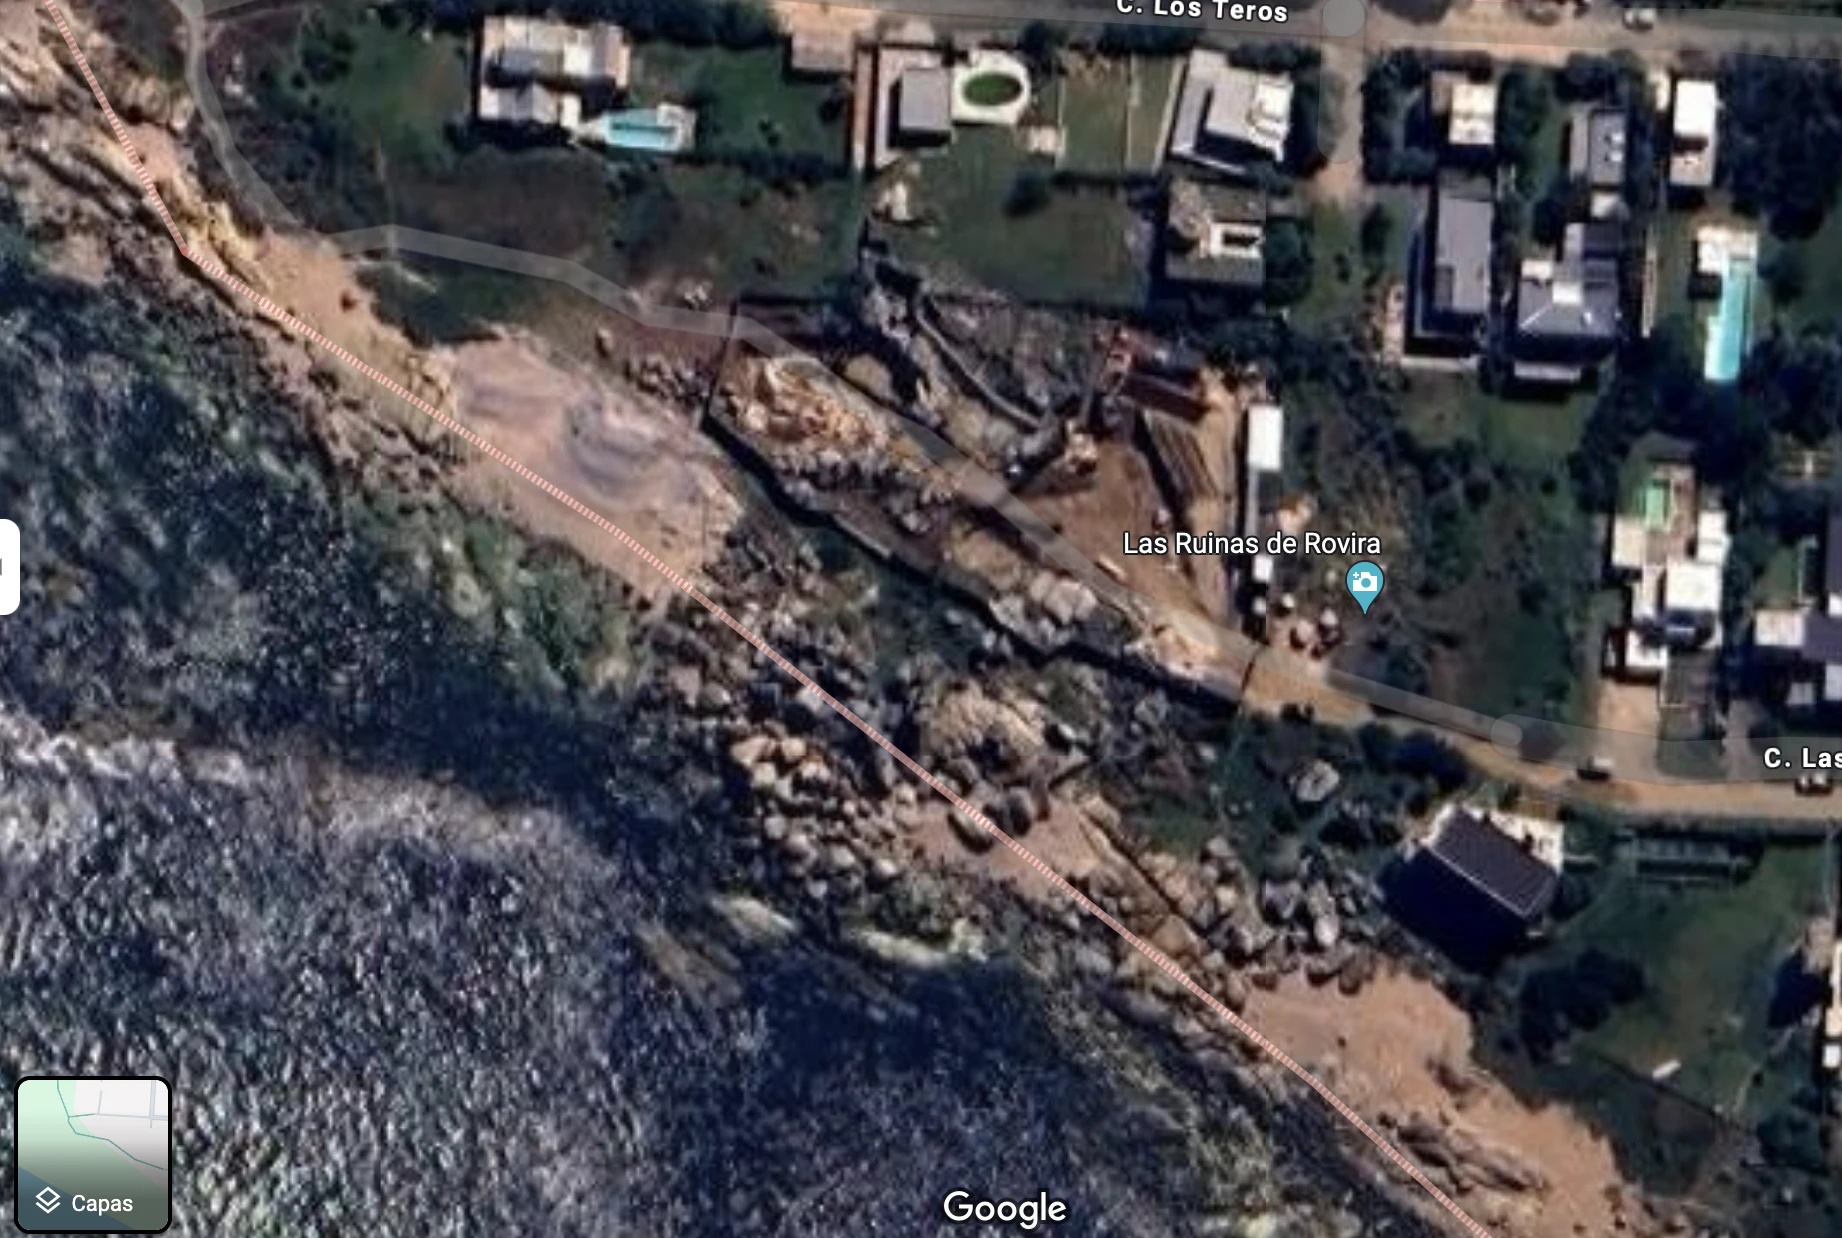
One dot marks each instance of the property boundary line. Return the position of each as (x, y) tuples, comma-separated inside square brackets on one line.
[(626, 540)]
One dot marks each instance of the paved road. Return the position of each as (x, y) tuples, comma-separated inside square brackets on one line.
[(1497, 25)]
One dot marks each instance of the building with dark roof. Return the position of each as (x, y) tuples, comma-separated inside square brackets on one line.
[(1568, 308), (1806, 638), (1478, 882), (1503, 869)]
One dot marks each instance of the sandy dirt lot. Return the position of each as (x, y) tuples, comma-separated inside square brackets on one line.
[(636, 460), (1400, 1050)]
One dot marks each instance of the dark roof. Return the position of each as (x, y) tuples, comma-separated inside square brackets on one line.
[(1832, 552), (1461, 251), (1600, 238), (1823, 638), (1194, 212), (1468, 845), (1577, 302)]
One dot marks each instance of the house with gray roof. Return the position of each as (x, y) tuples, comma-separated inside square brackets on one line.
[(924, 106), (1453, 295), (1568, 309)]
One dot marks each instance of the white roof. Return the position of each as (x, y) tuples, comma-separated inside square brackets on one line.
[(1691, 586), (1832, 681), (1780, 627), (1255, 108), (1474, 114), (1642, 657), (1711, 536), (1266, 437), (1630, 540), (1697, 108), (1263, 568)]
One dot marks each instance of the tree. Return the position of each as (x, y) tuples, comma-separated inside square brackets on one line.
[(1040, 44), (1786, 274), (1288, 262), (1376, 234), (1030, 192), (1524, 101)]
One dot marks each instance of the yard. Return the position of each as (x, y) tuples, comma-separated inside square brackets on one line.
[(1820, 256), (1076, 245), (1537, 434), (1713, 955), (744, 99), (1338, 278), (1112, 111)]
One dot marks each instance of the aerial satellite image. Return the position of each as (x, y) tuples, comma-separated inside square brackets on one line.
[(921, 617)]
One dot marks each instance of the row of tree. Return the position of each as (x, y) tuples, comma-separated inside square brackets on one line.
[(737, 24)]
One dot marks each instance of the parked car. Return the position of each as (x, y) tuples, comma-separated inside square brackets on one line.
[(1815, 784), (1641, 19), (1594, 769)]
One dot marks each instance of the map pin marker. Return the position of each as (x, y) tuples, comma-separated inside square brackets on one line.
[(1364, 582)]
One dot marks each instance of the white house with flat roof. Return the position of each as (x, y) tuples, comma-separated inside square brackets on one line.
[(1671, 553), (1227, 116), (1694, 133)]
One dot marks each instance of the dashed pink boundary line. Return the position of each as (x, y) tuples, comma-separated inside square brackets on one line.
[(959, 802)]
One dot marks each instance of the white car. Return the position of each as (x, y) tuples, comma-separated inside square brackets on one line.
[(1640, 19)]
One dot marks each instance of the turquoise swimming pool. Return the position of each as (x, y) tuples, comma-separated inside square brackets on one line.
[(1730, 330), (647, 129)]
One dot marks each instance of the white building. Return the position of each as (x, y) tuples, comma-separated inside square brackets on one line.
[(1227, 116), (1694, 133)]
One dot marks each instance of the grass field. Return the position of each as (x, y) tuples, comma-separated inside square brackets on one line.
[(1112, 111), (1074, 249), (715, 223), (1821, 256), (744, 100), (1711, 954), (406, 89), (1337, 277), (1539, 434)]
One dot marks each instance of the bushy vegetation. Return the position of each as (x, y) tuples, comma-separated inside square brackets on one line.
[(1781, 125), (738, 24)]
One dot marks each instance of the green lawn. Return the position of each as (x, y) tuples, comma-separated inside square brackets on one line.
[(1336, 269), (1074, 249), (1711, 954), (744, 100), (399, 94), (1157, 75), (1095, 93), (719, 225), (1538, 434), (1821, 256), (1112, 111), (1404, 204)]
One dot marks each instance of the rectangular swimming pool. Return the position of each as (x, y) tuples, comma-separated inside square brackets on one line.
[(1730, 329)]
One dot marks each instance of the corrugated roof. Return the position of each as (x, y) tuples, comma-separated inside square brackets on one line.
[(1467, 844)]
